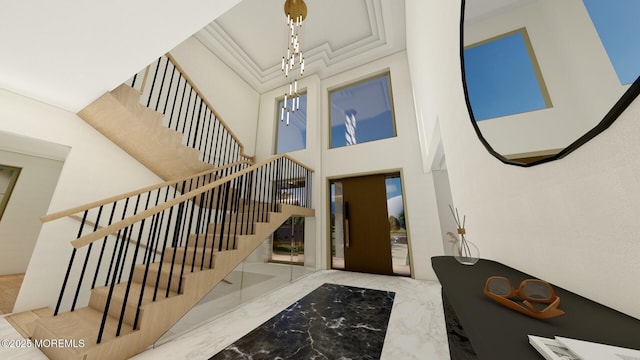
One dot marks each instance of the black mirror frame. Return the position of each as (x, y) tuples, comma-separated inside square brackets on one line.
[(620, 106)]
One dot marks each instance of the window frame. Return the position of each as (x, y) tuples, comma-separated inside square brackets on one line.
[(344, 86), (276, 131), (535, 67), (6, 196)]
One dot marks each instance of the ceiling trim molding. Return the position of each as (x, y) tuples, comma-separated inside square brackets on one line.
[(322, 59)]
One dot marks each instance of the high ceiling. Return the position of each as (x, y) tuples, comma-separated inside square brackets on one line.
[(68, 53), (338, 35)]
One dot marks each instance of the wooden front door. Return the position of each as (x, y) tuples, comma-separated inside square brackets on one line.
[(367, 247)]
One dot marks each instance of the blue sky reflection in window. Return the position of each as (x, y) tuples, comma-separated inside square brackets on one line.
[(292, 137), (618, 27), (362, 112), (503, 77)]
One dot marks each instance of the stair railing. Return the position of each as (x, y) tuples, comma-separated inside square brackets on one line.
[(165, 87), (210, 218)]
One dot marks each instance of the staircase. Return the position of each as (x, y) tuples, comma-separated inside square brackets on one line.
[(119, 116), (179, 287), (168, 125), (143, 259)]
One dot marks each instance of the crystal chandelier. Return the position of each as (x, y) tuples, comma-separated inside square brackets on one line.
[(293, 61)]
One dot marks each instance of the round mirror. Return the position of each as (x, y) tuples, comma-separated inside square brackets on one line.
[(542, 77)]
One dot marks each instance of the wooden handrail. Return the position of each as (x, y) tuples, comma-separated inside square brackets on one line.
[(209, 105), (94, 204), (89, 238), (130, 240)]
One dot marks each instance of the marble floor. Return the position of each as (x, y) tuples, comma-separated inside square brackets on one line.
[(416, 328), (332, 322)]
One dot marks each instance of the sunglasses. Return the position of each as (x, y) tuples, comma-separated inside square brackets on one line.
[(531, 291)]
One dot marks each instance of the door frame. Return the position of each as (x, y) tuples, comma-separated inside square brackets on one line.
[(330, 179)]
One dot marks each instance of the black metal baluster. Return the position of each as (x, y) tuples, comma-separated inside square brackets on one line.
[(153, 83), (73, 255), (226, 148), (169, 89), (113, 283), (176, 234), (133, 81), (126, 250), (197, 123), (216, 216), (133, 265), (186, 113), (225, 209), (162, 82), (86, 258), (253, 195), (124, 212), (197, 232), (213, 216), (104, 244), (164, 246), (206, 152), (175, 101), (179, 117), (219, 144), (263, 170)]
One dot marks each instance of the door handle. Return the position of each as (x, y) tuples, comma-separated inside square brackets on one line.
[(346, 232), (346, 225)]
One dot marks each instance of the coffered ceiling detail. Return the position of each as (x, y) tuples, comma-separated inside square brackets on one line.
[(338, 35)]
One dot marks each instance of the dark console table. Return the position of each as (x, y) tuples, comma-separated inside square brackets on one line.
[(480, 328)]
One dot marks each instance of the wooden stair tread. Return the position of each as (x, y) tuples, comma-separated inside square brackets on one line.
[(83, 323), (25, 322)]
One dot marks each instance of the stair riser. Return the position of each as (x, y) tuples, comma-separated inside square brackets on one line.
[(99, 301), (201, 242), (189, 258), (152, 276), (230, 222)]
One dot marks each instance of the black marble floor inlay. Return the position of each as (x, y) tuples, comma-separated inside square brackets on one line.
[(331, 322)]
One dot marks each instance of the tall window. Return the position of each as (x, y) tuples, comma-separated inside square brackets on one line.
[(618, 27), (292, 137), (503, 77), (362, 112)]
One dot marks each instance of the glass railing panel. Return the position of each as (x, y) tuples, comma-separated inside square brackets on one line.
[(255, 276)]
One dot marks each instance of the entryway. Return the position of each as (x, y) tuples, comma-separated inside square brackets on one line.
[(368, 231)]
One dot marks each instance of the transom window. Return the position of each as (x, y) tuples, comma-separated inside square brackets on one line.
[(362, 112)]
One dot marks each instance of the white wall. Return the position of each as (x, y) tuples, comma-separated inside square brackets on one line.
[(94, 169), (310, 156), (20, 224), (232, 98), (401, 153), (563, 37), (569, 221)]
